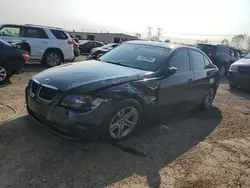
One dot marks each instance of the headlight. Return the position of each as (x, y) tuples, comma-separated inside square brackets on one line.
[(81, 102), (233, 67)]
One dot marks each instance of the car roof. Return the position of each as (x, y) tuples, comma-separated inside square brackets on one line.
[(220, 45), (158, 44), (33, 25)]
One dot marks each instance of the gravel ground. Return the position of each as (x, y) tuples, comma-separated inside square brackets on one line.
[(198, 150)]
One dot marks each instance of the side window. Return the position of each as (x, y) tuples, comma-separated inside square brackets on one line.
[(97, 44), (12, 31), (33, 32), (231, 52), (207, 62), (59, 34), (237, 54), (180, 60), (197, 60)]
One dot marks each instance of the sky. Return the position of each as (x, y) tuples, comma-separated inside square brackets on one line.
[(185, 19)]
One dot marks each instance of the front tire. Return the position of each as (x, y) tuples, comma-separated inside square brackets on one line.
[(52, 59), (5, 73), (122, 121)]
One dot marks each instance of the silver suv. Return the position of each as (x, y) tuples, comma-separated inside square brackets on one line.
[(49, 45)]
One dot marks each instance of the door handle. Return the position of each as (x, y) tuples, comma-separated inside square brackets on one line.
[(44, 42)]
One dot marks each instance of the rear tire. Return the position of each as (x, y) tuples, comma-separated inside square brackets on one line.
[(208, 101), (5, 73), (52, 59), (222, 70), (232, 86)]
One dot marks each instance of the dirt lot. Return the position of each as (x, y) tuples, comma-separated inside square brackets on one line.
[(198, 150)]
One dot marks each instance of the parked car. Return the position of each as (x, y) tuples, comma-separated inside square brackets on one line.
[(99, 51), (110, 97), (49, 45), (76, 49), (221, 55), (87, 45), (239, 73), (12, 60)]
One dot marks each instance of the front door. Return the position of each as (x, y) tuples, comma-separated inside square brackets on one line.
[(175, 91)]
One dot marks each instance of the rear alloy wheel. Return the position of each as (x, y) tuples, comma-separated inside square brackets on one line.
[(4, 74), (223, 70), (53, 59), (209, 99), (232, 86), (123, 123)]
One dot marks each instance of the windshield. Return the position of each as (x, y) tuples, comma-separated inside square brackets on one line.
[(247, 55), (137, 56)]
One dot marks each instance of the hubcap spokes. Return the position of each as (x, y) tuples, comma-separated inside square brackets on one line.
[(123, 122), (53, 59), (209, 98), (3, 73)]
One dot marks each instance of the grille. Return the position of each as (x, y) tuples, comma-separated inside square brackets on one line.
[(42, 91), (34, 86), (244, 69), (47, 93)]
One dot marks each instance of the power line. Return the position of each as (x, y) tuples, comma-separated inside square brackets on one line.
[(194, 40), (198, 34)]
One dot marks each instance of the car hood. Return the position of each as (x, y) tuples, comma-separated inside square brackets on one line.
[(90, 75), (242, 61)]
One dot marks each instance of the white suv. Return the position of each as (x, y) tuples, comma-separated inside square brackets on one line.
[(49, 45)]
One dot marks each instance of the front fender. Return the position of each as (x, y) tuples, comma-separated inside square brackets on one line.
[(144, 91)]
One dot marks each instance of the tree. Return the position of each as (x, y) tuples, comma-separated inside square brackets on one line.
[(138, 35), (239, 41), (225, 42), (167, 41), (248, 43)]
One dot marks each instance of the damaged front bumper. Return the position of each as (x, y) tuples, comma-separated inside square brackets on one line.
[(65, 122)]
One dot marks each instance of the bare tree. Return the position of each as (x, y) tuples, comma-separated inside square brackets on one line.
[(138, 35), (225, 42), (248, 43), (167, 41), (239, 40)]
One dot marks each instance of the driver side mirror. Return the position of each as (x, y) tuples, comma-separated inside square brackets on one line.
[(170, 71)]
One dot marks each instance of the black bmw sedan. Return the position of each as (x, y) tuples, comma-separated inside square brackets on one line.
[(110, 97), (239, 73), (12, 59)]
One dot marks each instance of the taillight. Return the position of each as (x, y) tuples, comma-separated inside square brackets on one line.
[(212, 54), (70, 42), (25, 57)]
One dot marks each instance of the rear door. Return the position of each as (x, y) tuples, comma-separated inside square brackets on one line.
[(38, 41), (174, 92), (203, 72)]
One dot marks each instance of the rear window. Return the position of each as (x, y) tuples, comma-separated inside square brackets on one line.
[(223, 49), (206, 48), (33, 32), (59, 34)]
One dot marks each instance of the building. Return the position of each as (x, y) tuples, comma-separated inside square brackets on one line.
[(103, 37)]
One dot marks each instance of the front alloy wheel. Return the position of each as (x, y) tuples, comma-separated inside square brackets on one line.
[(223, 70), (4, 74), (123, 123)]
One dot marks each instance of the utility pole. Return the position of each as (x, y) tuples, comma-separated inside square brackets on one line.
[(149, 33), (159, 33)]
